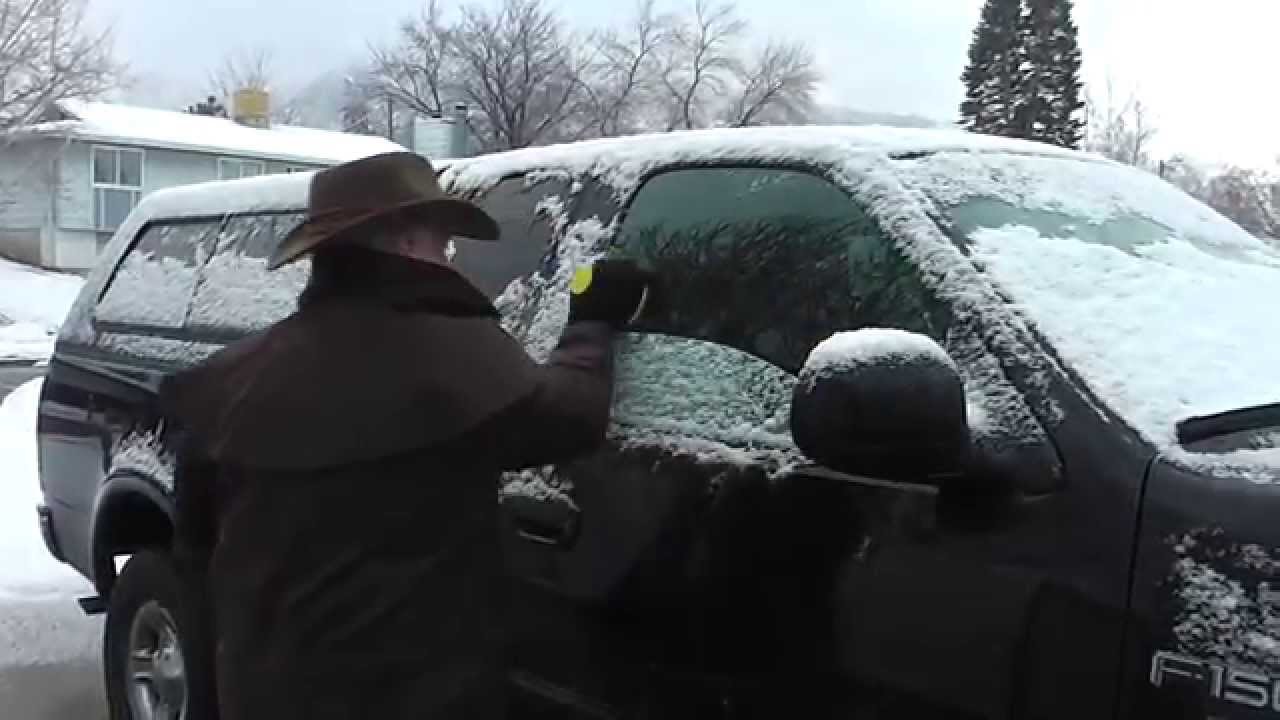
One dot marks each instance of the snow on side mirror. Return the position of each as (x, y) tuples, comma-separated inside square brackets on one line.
[(882, 403)]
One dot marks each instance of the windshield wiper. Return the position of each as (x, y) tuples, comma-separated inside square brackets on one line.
[(1200, 428)]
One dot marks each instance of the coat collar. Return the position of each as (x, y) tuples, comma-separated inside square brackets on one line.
[(359, 274)]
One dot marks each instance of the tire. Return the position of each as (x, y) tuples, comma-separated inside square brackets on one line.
[(154, 611)]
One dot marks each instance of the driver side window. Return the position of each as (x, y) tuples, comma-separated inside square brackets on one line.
[(770, 262), (757, 266)]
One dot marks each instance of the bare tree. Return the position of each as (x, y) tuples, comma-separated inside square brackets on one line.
[(529, 80), (47, 54), (516, 66), (1249, 197), (702, 62), (417, 70), (254, 69), (244, 69), (519, 68), (624, 83), (1122, 131), (369, 107), (356, 113), (778, 85), (1185, 174)]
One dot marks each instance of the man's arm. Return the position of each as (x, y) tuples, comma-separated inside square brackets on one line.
[(567, 413)]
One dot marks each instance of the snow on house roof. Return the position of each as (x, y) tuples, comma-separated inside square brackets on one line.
[(107, 122), (622, 162)]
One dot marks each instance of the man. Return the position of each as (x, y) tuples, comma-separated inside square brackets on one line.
[(350, 457)]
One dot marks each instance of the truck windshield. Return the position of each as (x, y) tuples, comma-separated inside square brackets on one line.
[(1166, 309)]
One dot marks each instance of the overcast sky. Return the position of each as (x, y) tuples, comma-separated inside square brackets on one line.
[(1205, 69)]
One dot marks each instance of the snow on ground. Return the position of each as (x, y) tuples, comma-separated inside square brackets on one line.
[(40, 622), (26, 568), (25, 341), (33, 303)]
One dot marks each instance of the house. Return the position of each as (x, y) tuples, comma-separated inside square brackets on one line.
[(67, 182)]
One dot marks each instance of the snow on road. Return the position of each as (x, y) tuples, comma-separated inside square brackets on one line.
[(39, 620), (33, 303)]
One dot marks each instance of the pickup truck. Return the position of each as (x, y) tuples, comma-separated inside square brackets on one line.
[(1068, 512)]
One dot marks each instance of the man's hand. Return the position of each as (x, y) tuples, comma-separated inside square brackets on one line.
[(611, 291)]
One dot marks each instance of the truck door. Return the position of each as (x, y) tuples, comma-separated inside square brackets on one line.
[(697, 566)]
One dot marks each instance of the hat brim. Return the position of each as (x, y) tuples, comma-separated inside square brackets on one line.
[(459, 218)]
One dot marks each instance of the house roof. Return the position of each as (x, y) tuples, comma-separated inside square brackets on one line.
[(145, 127)]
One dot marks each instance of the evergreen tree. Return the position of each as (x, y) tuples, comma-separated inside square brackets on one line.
[(1047, 96), (1023, 77), (995, 63)]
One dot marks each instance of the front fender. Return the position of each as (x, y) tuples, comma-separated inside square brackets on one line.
[(132, 511)]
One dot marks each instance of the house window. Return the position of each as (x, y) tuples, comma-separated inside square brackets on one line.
[(233, 169), (117, 185)]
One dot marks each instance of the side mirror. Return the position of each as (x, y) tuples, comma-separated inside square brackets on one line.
[(882, 403)]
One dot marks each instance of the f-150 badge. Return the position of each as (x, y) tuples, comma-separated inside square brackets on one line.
[(1220, 681)]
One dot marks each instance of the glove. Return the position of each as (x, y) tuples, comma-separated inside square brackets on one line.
[(611, 291)]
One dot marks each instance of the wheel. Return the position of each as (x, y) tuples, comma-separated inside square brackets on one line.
[(157, 652)]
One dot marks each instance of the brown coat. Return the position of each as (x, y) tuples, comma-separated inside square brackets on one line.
[(340, 477)]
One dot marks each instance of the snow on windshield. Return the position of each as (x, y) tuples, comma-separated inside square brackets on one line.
[(1166, 309)]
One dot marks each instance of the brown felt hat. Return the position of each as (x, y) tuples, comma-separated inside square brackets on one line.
[(349, 195)]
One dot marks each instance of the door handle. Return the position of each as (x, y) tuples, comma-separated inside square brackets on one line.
[(546, 521)]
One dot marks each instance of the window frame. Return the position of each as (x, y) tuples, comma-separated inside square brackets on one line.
[(239, 163), (97, 207)]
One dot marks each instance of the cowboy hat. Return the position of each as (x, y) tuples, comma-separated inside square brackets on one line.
[(346, 196)]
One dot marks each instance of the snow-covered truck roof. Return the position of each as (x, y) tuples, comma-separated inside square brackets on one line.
[(165, 129), (623, 162)]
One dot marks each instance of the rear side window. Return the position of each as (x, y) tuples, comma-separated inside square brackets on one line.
[(236, 293), (527, 213), (768, 261), (153, 286), (205, 277)]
